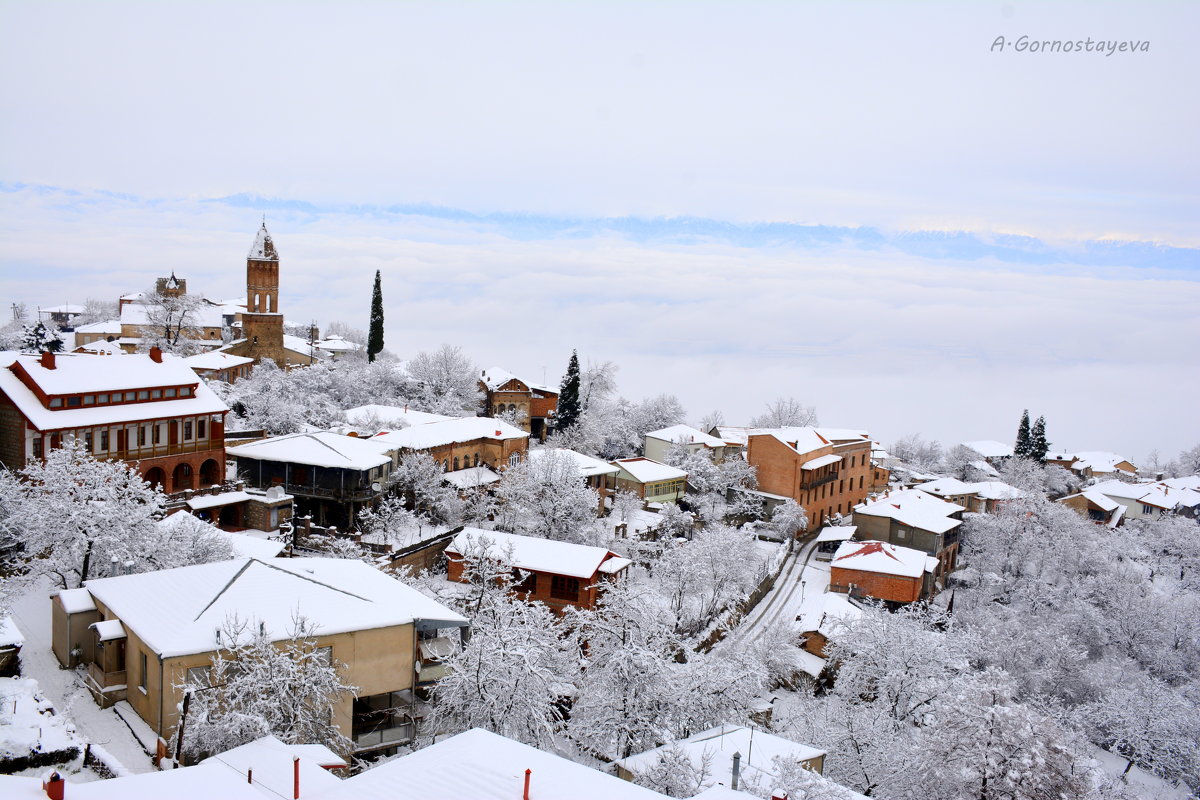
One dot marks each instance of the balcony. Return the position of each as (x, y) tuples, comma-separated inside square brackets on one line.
[(384, 720), (817, 482)]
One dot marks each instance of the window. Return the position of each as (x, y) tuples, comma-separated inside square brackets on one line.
[(445, 465), (187, 430), (143, 395), (104, 440), (526, 585), (1147, 509), (860, 480), (169, 393), (56, 402), (141, 436), (101, 398), (842, 486), (129, 397), (142, 674), (456, 463), (477, 459), (901, 533), (89, 399), (514, 459), (324, 656), (201, 429), (156, 394), (198, 677), (72, 402), (157, 433), (563, 588), (186, 391), (87, 441)]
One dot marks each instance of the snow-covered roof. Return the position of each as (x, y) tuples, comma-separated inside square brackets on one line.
[(109, 327), (946, 487), (824, 612), (395, 416), (990, 449), (837, 533), (471, 477), (10, 634), (844, 434), (300, 346), (914, 508), (96, 376), (821, 461), (1186, 482), (717, 746), (588, 467), (109, 629), (685, 434), (1100, 500), (735, 434), (495, 377), (270, 762), (480, 765), (201, 315), (216, 359), (872, 556), (201, 782), (1098, 461), (532, 553), (101, 348), (646, 470), (76, 601), (995, 490), (316, 448), (179, 611), (263, 248), (65, 308), (337, 344), (801, 440), (451, 431)]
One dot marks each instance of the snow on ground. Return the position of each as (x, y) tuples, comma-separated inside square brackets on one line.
[(801, 578), (64, 690), (28, 723), (1141, 783)]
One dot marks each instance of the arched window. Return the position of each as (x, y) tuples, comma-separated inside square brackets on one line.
[(476, 460), (445, 465), (514, 459), (456, 463)]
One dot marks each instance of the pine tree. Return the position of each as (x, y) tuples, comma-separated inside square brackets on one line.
[(38, 337), (1037, 440), (568, 395), (1024, 445), (375, 336)]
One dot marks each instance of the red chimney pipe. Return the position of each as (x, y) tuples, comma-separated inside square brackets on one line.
[(295, 777), (156, 355), (528, 772), (47, 359), (54, 786), (249, 776)]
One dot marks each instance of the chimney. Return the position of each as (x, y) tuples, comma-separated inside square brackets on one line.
[(497, 433), (47, 361), (295, 777), (249, 776), (528, 772), (780, 796), (54, 786), (156, 355), (737, 769)]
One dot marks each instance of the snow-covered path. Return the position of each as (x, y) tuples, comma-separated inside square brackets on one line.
[(99, 726), (800, 577)]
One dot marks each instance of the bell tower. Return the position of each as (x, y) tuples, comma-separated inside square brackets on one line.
[(262, 324)]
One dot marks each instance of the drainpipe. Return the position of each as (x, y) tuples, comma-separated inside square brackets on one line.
[(737, 768)]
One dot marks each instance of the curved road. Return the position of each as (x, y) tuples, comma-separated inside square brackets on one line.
[(783, 599)]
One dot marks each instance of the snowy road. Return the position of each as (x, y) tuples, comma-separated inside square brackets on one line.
[(61, 687), (800, 577)]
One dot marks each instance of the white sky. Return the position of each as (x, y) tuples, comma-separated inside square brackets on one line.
[(891, 116)]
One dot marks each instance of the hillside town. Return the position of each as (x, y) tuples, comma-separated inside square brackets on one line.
[(242, 559)]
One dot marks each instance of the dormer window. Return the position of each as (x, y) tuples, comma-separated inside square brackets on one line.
[(103, 398), (56, 402), (129, 397), (73, 402), (168, 393), (156, 394), (143, 395), (186, 391), (89, 399)]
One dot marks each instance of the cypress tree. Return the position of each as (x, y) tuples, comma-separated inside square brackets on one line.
[(1037, 440), (1024, 446), (375, 335), (568, 395)]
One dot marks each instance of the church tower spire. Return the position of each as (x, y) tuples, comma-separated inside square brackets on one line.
[(262, 324)]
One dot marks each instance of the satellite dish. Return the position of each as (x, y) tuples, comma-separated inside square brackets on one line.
[(375, 487)]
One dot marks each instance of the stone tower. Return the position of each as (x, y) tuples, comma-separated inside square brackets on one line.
[(262, 324), (171, 287)]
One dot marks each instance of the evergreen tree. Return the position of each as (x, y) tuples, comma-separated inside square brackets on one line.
[(1037, 440), (38, 337), (568, 395), (375, 336), (1024, 446)]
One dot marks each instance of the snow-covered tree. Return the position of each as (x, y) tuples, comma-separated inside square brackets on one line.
[(915, 451), (546, 497), (519, 665), (708, 575), (447, 382), (38, 337), (96, 310), (959, 462), (674, 773), (1023, 447), (185, 540), (173, 323), (569, 407), (391, 522), (786, 412), (789, 518), (74, 516), (420, 480), (624, 506), (375, 338), (258, 686), (1038, 445)]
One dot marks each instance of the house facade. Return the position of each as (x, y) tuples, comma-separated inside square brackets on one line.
[(659, 443), (460, 444), (143, 638), (826, 470), (533, 404), (150, 411), (557, 574), (882, 571), (914, 519), (650, 480)]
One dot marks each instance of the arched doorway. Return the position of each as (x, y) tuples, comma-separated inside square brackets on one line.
[(156, 478), (182, 477), (210, 473)]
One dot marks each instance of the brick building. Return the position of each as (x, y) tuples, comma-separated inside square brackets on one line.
[(650, 480), (826, 470), (262, 321), (150, 411), (460, 444), (558, 574), (534, 404), (912, 518), (882, 571)]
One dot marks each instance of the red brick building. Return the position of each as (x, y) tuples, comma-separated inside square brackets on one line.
[(461, 444), (826, 470), (558, 574), (535, 405), (150, 411), (882, 571)]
